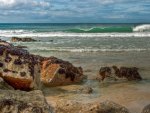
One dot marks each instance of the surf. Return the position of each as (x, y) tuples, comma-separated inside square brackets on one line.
[(110, 29), (142, 28)]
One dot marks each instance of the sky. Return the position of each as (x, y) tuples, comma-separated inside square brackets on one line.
[(74, 11)]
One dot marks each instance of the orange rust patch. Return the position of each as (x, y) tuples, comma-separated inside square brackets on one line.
[(49, 71), (17, 83)]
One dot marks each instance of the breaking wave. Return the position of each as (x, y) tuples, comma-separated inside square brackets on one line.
[(63, 34), (86, 50), (124, 31), (142, 28), (110, 29)]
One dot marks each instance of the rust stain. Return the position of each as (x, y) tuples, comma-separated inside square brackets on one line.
[(18, 83)]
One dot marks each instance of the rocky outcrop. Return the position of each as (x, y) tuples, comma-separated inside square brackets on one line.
[(25, 71), (146, 109), (56, 72), (12, 101), (16, 39), (130, 73), (4, 43), (64, 106), (104, 72), (18, 68)]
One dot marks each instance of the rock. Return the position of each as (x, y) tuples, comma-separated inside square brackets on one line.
[(57, 72), (16, 39), (19, 69), (146, 109), (12, 101), (64, 106), (86, 90), (4, 85), (21, 47), (104, 72), (130, 73), (4, 43), (26, 71)]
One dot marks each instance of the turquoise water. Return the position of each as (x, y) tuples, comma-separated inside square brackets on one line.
[(90, 28), (80, 37)]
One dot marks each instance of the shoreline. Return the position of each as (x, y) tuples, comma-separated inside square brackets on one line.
[(133, 95)]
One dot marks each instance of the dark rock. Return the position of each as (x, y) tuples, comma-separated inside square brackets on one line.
[(16, 39), (130, 73), (146, 109), (104, 72)]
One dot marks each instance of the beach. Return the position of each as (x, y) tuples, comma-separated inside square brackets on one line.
[(133, 95), (92, 49)]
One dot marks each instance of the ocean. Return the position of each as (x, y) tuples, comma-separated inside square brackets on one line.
[(93, 46), (81, 37)]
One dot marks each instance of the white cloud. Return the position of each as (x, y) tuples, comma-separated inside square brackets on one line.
[(9, 4)]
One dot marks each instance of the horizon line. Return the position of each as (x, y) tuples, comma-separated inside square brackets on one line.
[(73, 23)]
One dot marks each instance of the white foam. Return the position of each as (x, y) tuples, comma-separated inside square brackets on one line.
[(142, 28), (14, 31), (61, 34), (67, 49), (28, 33)]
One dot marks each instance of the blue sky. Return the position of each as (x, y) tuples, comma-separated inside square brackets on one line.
[(75, 11)]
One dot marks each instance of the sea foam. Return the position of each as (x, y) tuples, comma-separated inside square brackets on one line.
[(142, 28)]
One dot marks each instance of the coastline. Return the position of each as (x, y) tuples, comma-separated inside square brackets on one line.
[(133, 95), (91, 51)]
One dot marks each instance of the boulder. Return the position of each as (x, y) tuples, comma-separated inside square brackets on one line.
[(19, 69), (12, 101), (64, 106), (57, 72), (104, 72), (146, 109), (26, 71), (16, 39), (130, 73)]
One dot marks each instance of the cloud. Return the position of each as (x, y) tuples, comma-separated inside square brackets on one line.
[(75, 10), (13, 4)]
